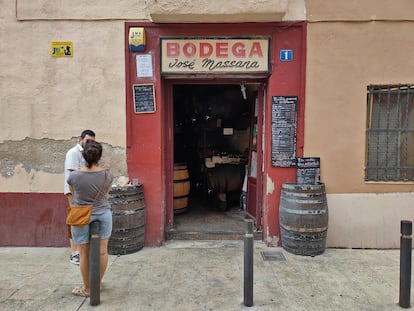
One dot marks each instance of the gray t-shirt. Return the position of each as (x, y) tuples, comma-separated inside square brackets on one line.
[(86, 186)]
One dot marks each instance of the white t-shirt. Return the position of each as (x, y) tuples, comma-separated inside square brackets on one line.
[(74, 160)]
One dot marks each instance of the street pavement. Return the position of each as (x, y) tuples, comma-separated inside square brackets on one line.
[(205, 275)]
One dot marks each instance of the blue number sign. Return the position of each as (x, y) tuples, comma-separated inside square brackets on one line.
[(286, 55)]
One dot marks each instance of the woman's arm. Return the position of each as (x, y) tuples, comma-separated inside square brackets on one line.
[(106, 196)]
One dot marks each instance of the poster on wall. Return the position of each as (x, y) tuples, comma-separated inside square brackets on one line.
[(284, 123), (144, 98), (144, 66)]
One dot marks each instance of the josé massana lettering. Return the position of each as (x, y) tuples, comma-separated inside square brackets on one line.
[(214, 55)]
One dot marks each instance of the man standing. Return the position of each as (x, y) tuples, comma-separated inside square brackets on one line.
[(73, 161)]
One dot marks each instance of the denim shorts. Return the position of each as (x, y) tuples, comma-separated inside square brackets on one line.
[(81, 234)]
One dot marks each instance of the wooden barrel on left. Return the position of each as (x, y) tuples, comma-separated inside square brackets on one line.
[(128, 219)]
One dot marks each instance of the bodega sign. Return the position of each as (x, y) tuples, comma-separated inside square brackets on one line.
[(214, 55)]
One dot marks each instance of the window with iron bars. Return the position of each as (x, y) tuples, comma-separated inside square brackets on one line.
[(390, 133)]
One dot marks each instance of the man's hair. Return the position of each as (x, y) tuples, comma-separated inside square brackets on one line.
[(87, 132)]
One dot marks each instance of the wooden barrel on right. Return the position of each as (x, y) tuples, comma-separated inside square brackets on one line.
[(303, 218), (181, 187)]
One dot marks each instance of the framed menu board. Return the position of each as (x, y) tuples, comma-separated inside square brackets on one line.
[(284, 123), (308, 171), (144, 98)]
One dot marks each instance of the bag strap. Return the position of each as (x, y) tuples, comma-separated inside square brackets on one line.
[(101, 187)]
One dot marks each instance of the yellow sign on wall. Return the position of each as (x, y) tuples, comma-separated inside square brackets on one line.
[(137, 39), (61, 49)]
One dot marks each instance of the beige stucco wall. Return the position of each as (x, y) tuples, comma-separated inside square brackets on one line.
[(342, 60), (356, 10), (181, 11), (351, 44), (220, 11), (46, 102), (81, 10)]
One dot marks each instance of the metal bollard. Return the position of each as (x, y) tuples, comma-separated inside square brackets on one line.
[(94, 265), (405, 263), (248, 264)]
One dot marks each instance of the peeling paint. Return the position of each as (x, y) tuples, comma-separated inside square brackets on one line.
[(48, 155), (270, 186), (33, 154), (27, 161)]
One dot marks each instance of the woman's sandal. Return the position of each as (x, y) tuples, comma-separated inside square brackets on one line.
[(80, 291)]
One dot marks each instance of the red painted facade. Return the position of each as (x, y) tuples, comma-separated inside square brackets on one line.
[(33, 219), (37, 219), (149, 158)]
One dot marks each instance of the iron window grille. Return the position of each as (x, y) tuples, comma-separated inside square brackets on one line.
[(390, 133)]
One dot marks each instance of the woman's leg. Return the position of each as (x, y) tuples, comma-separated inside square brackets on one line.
[(105, 231), (84, 265), (103, 256)]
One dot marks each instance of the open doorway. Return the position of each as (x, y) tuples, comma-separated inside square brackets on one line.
[(212, 137)]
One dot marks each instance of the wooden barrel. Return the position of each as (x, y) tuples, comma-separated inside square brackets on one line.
[(181, 188), (225, 182), (303, 218), (128, 220)]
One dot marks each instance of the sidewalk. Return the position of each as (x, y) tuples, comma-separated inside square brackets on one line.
[(205, 275)]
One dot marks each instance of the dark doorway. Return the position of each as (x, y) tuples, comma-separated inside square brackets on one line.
[(212, 130)]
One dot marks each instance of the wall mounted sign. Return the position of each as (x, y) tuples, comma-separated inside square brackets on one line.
[(61, 49), (144, 98), (144, 66), (286, 55), (284, 123), (308, 171), (136, 39), (214, 55)]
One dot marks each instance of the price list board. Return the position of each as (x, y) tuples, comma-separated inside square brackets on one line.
[(308, 171), (144, 98), (284, 123)]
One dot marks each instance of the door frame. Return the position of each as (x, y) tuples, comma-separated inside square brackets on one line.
[(168, 136), (256, 198)]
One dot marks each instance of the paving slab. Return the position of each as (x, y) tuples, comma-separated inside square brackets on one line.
[(205, 275)]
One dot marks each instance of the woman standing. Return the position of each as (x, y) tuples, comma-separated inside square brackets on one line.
[(91, 185)]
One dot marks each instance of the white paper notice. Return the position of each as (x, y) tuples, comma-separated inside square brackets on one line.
[(228, 131), (144, 66)]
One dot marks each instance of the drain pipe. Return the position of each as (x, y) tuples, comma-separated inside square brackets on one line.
[(405, 263), (248, 263)]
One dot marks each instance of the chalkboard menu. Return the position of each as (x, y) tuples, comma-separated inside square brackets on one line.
[(284, 123), (144, 98), (308, 171)]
